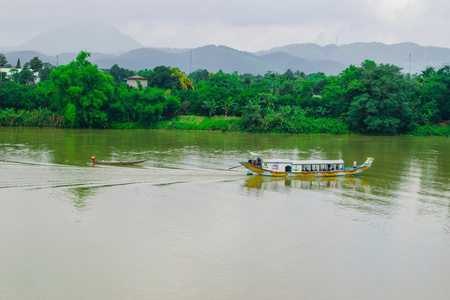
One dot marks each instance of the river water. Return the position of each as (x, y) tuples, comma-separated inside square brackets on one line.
[(183, 226)]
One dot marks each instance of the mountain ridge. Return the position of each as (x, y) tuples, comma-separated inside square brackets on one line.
[(108, 46), (88, 35)]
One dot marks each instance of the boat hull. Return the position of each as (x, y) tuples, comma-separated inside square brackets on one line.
[(119, 163), (345, 172)]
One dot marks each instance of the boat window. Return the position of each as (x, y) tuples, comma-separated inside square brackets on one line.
[(323, 167), (315, 167), (306, 168), (340, 167)]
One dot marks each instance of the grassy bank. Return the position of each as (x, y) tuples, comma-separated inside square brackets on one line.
[(201, 123), (43, 117), (220, 123), (430, 130)]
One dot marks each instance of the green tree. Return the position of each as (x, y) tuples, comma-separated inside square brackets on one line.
[(210, 105), (180, 81), (26, 76), (81, 92), (434, 101), (36, 64), (171, 104), (200, 75), (15, 75), (119, 74), (307, 90), (3, 60), (318, 82), (161, 78), (228, 106), (44, 73), (385, 106), (253, 117)]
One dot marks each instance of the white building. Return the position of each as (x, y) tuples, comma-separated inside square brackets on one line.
[(10, 72), (133, 81)]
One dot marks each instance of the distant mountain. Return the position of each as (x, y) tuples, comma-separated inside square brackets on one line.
[(356, 53), (230, 60), (211, 58), (286, 61), (91, 36), (108, 47), (60, 59), (139, 59)]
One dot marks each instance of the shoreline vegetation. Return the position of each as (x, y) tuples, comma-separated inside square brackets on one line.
[(371, 99), (43, 118)]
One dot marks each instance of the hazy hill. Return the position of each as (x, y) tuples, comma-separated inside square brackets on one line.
[(286, 61), (60, 59), (91, 36), (139, 59), (230, 60), (211, 58), (355, 53), (108, 46)]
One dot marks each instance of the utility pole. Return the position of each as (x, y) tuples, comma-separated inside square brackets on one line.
[(190, 63), (410, 64)]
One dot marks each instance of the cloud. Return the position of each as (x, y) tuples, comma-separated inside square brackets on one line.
[(243, 24)]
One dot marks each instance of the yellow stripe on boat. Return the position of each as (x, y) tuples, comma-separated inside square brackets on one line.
[(304, 168)]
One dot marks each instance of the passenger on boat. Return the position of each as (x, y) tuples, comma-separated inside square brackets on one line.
[(354, 164), (258, 162), (93, 159)]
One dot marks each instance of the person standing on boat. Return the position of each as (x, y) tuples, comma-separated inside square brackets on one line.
[(354, 164), (93, 159), (258, 160)]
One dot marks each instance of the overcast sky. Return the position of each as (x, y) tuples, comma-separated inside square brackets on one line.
[(248, 25)]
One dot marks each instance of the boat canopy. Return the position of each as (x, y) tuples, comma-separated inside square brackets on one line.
[(303, 162)]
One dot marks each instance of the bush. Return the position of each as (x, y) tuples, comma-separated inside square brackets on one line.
[(430, 130), (201, 123), (41, 117)]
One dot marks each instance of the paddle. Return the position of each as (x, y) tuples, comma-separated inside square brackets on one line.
[(234, 167)]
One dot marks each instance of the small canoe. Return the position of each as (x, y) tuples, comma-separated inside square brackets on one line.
[(120, 163)]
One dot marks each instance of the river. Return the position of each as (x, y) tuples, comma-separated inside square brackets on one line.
[(183, 226)]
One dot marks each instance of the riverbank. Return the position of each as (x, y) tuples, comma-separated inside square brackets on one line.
[(267, 125), (305, 125), (308, 126)]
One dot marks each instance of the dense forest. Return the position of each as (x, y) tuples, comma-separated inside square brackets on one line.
[(369, 99)]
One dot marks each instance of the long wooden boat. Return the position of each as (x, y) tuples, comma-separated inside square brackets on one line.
[(134, 162), (304, 168)]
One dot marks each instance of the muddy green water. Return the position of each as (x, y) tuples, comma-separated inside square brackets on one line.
[(181, 226)]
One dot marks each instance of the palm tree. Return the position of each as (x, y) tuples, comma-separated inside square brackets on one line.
[(228, 104), (211, 105)]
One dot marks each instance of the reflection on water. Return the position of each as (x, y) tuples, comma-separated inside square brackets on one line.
[(275, 183), (80, 197)]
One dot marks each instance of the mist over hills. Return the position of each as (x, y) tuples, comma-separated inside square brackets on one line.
[(108, 46), (91, 35), (405, 55)]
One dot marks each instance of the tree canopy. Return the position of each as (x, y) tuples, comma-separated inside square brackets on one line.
[(372, 98)]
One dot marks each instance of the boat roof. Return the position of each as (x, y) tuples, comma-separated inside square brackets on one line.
[(303, 162)]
